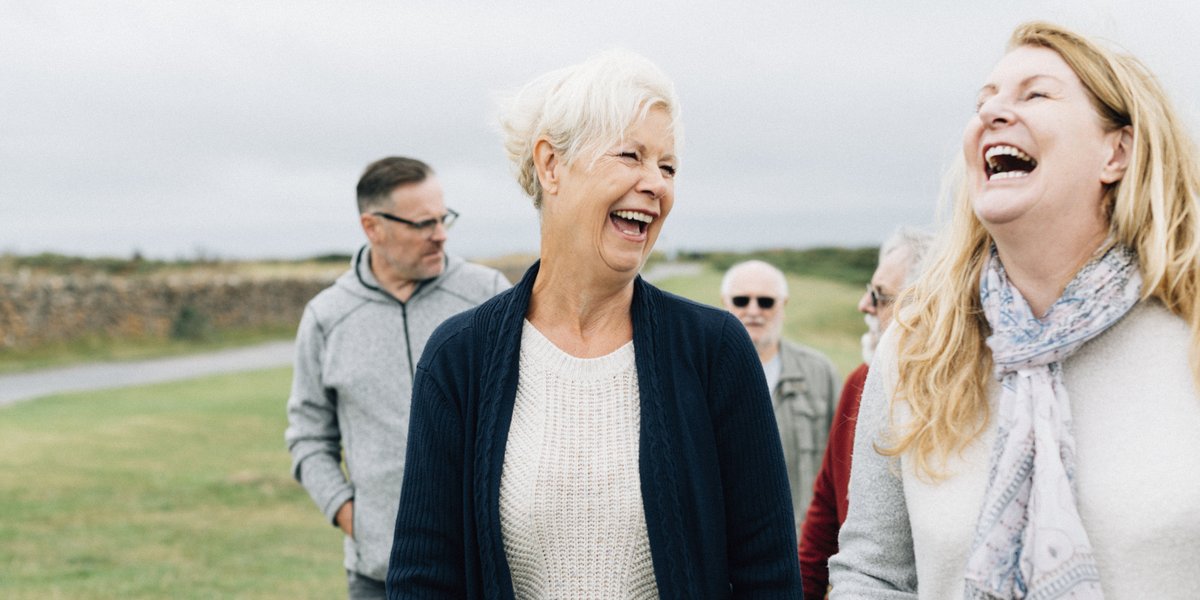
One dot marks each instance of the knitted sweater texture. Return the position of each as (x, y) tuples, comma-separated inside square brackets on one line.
[(713, 485), (827, 512), (1136, 414), (570, 499)]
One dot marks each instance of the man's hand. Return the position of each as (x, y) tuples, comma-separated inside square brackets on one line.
[(345, 517)]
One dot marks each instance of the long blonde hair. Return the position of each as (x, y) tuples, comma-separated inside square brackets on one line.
[(944, 364)]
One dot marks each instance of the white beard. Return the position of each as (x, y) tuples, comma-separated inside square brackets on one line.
[(870, 339)]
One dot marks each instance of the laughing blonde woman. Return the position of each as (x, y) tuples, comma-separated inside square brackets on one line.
[(1032, 427)]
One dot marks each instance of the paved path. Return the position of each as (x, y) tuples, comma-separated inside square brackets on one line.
[(35, 384), (99, 376), (666, 270)]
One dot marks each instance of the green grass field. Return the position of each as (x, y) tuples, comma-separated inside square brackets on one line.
[(179, 490), (183, 490)]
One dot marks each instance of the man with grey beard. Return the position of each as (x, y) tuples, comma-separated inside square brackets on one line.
[(900, 263), (803, 383)]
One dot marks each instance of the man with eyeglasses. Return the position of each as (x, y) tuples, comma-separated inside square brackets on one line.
[(803, 382), (356, 353), (900, 262)]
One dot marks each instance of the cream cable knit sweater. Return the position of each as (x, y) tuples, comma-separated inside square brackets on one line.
[(570, 495), (1137, 433)]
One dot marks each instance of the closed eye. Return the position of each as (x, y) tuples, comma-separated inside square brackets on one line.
[(668, 169)]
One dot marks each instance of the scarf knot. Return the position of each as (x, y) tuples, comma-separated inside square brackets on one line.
[(1029, 540)]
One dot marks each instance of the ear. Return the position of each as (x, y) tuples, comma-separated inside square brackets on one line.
[(370, 226), (546, 162), (1121, 144)]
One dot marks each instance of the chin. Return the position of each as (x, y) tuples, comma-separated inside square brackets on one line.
[(433, 270), (624, 261), (992, 211)]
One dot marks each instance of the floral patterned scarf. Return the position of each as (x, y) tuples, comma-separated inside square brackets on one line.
[(1029, 540)]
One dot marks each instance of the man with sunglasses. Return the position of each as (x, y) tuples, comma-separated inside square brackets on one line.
[(900, 262), (803, 382), (356, 353)]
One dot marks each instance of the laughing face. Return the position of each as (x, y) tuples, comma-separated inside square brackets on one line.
[(1036, 151), (613, 209)]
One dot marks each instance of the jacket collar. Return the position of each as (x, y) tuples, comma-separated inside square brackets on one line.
[(360, 265), (791, 365)]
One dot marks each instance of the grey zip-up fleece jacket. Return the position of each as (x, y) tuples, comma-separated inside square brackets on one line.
[(356, 351)]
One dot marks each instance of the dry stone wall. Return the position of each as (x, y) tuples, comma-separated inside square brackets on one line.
[(38, 309)]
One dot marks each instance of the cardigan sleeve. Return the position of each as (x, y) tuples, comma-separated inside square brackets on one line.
[(875, 557), (818, 536), (760, 531), (427, 548)]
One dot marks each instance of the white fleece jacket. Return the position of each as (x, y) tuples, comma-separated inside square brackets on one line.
[(1137, 428)]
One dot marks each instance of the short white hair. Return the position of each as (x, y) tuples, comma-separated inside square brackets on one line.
[(583, 110), (914, 241), (776, 274)]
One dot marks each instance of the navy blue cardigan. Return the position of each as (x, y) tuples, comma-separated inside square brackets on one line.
[(714, 488)]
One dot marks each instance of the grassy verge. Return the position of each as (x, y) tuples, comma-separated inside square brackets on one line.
[(183, 490), (821, 313), (108, 349), (178, 490)]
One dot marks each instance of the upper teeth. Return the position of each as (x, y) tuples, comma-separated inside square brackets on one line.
[(1010, 150), (634, 216)]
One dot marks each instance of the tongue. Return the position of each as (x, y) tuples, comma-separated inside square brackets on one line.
[(628, 226), (1011, 163)]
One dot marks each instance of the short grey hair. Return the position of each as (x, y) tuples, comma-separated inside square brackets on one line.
[(727, 280), (916, 242), (583, 110)]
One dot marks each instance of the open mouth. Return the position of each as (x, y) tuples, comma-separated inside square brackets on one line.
[(629, 222), (1007, 162)]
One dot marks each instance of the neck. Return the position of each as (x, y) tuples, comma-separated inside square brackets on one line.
[(1041, 269), (585, 316), (767, 352), (402, 289)]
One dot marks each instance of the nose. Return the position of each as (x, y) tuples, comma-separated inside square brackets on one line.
[(654, 182), (864, 304), (439, 233), (752, 309), (995, 111)]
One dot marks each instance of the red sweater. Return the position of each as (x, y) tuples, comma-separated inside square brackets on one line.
[(819, 534)]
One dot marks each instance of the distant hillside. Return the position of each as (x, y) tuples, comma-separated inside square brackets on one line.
[(847, 265)]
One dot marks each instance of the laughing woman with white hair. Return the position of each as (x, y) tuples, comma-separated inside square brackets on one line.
[(586, 435), (1031, 428)]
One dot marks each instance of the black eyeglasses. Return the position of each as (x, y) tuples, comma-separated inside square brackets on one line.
[(428, 225), (879, 298), (764, 302)]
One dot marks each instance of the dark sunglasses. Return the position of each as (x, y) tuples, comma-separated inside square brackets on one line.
[(879, 298), (764, 302)]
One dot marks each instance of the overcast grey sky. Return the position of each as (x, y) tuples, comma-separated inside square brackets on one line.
[(240, 129)]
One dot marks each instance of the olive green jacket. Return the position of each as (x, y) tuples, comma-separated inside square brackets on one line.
[(804, 400)]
